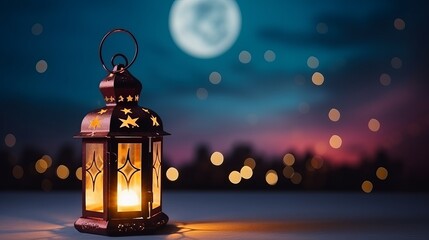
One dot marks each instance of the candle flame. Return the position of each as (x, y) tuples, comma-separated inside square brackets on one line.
[(128, 198)]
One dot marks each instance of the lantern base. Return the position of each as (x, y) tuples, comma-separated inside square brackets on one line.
[(121, 227)]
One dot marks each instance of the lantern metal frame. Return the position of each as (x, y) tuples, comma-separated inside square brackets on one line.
[(121, 121)]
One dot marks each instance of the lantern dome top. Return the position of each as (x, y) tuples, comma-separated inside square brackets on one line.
[(120, 87), (122, 116)]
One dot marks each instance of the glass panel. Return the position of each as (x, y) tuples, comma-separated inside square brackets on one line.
[(94, 177), (129, 177), (156, 175)]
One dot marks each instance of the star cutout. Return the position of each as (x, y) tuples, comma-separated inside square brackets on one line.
[(136, 98), (112, 99), (94, 123), (102, 111), (129, 98), (106, 99), (129, 120), (126, 110), (121, 99), (154, 121), (145, 110)]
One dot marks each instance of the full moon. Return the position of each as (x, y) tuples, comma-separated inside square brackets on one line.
[(205, 28)]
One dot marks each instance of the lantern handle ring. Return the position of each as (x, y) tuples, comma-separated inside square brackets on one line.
[(112, 61), (100, 49)]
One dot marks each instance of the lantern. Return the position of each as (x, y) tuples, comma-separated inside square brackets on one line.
[(121, 158)]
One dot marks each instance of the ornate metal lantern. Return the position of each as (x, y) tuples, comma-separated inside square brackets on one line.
[(121, 158)]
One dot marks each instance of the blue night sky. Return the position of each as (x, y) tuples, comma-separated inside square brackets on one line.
[(372, 70)]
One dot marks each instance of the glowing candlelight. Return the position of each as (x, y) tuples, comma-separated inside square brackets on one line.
[(128, 198)]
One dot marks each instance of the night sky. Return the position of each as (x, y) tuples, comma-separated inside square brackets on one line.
[(373, 56)]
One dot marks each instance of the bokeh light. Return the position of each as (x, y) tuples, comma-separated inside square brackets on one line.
[(335, 141), (234, 177), (317, 78), (374, 125), (396, 63), (312, 62), (202, 93), (244, 57), (172, 174), (41, 66), (37, 29), (334, 115), (250, 162), (47, 159), (316, 162), (41, 165), (381, 173), (216, 158), (296, 178), (399, 24), (288, 159), (246, 172), (271, 177), (322, 28), (215, 78), (78, 173), (385, 79), (18, 172), (10, 140), (288, 171), (63, 172), (367, 186), (269, 56)]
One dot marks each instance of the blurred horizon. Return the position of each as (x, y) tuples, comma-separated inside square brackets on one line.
[(240, 168)]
